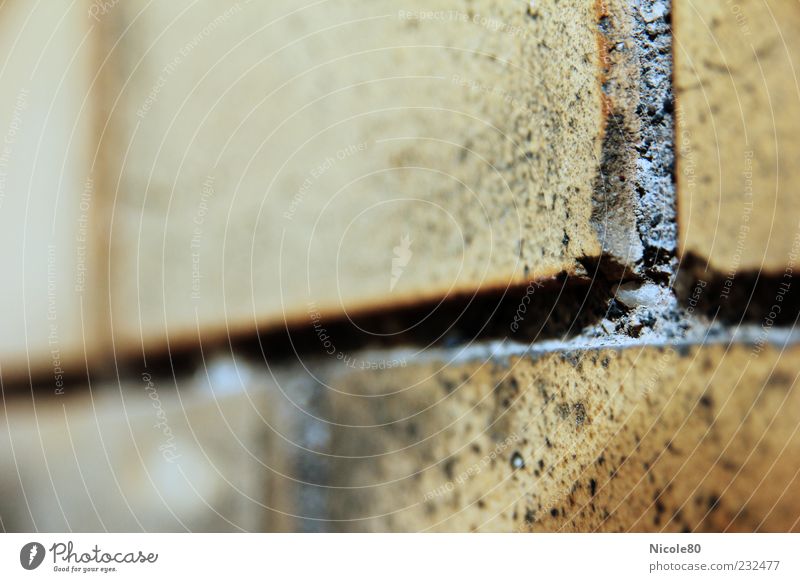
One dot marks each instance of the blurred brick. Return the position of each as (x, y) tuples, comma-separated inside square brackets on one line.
[(51, 296), (738, 136), (148, 455), (640, 438)]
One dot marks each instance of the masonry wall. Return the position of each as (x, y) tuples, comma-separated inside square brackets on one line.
[(486, 267)]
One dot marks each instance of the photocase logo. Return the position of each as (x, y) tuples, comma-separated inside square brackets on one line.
[(31, 555), (402, 256)]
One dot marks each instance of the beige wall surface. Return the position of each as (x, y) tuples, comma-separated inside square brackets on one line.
[(52, 284), (638, 438), (272, 160), (150, 453)]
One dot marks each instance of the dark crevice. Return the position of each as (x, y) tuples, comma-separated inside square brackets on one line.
[(763, 299), (555, 309)]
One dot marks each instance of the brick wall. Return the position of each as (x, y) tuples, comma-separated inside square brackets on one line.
[(489, 266)]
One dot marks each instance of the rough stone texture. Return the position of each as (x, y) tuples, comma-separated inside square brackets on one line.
[(642, 438), (482, 146), (51, 299), (283, 162), (738, 133), (148, 455), (634, 204), (614, 192), (655, 209)]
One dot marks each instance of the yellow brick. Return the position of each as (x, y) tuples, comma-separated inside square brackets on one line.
[(51, 296), (149, 454), (738, 135), (269, 156), (634, 438)]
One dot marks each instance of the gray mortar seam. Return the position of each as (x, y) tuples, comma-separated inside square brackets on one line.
[(746, 335), (656, 185), (639, 147), (652, 196)]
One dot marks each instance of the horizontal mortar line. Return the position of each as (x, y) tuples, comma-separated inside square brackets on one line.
[(494, 350), (487, 344)]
